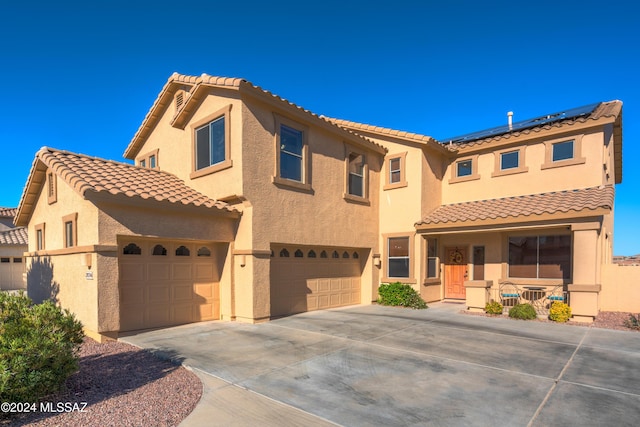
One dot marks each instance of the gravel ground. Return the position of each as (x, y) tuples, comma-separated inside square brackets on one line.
[(122, 386), (605, 319), (125, 386)]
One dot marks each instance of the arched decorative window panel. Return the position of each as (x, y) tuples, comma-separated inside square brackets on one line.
[(183, 251), (323, 254), (335, 254), (355, 255), (298, 254), (345, 254), (159, 250), (132, 249), (311, 254), (284, 253), (204, 251)]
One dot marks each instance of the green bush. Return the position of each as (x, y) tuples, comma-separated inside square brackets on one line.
[(39, 347), (559, 312), (399, 294), (493, 307), (633, 322), (523, 311)]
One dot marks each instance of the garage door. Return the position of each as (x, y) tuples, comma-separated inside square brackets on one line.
[(314, 278), (165, 283)]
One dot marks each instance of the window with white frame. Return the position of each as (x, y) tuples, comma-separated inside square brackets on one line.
[(210, 143), (291, 153), (356, 175), (432, 258), (464, 168)]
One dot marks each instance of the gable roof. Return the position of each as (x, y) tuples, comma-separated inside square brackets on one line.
[(581, 202), (14, 236), (8, 212), (92, 176), (197, 88), (393, 133)]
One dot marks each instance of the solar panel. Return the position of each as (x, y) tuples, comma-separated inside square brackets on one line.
[(524, 124)]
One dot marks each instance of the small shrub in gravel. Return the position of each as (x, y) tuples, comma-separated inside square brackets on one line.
[(559, 312), (399, 294), (633, 322), (39, 345), (493, 307), (523, 311)]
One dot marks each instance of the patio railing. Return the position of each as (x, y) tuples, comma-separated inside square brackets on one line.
[(540, 297)]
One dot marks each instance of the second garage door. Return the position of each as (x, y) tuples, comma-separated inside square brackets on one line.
[(314, 278), (165, 283)]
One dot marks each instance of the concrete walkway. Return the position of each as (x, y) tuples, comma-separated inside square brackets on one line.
[(373, 365)]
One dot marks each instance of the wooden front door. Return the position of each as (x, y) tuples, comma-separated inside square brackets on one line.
[(455, 272)]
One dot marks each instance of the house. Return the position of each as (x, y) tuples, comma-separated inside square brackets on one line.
[(243, 206), (13, 244)]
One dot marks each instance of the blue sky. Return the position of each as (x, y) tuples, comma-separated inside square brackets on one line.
[(81, 76)]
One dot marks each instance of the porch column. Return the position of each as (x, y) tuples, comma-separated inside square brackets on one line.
[(585, 286)]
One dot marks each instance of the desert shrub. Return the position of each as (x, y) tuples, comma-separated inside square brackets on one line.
[(39, 345), (523, 311), (633, 322), (493, 307), (399, 294), (559, 312)]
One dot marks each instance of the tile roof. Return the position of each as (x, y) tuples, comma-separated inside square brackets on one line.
[(611, 109), (176, 81), (8, 212), (587, 199), (92, 175), (14, 236)]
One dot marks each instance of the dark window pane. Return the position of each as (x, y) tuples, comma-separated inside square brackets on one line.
[(204, 251), (202, 147), (183, 251), (562, 151), (523, 257), (152, 161), (290, 140), (217, 141), (478, 263), (290, 166), (399, 267), (159, 250), (399, 247), (464, 168), (432, 265), (395, 177), (132, 249), (555, 257), (68, 230), (356, 186), (509, 160)]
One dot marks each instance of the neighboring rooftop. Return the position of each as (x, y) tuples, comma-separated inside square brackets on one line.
[(8, 212), (14, 236), (574, 115), (588, 199)]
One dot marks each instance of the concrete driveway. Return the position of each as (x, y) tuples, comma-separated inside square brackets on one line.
[(384, 366)]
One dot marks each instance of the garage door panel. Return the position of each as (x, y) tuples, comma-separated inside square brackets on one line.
[(156, 271), (134, 272), (159, 291)]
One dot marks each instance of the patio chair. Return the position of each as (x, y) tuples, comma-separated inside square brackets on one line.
[(510, 294), (556, 294)]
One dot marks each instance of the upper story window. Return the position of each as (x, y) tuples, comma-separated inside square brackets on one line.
[(292, 154), (396, 175), (509, 161), (40, 242), (291, 144), (149, 160), (563, 152), (70, 223), (211, 143), (356, 174), (465, 169)]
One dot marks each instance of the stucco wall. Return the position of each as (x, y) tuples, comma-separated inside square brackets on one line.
[(535, 180), (620, 288)]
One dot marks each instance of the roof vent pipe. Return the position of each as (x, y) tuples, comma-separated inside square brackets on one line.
[(510, 119)]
